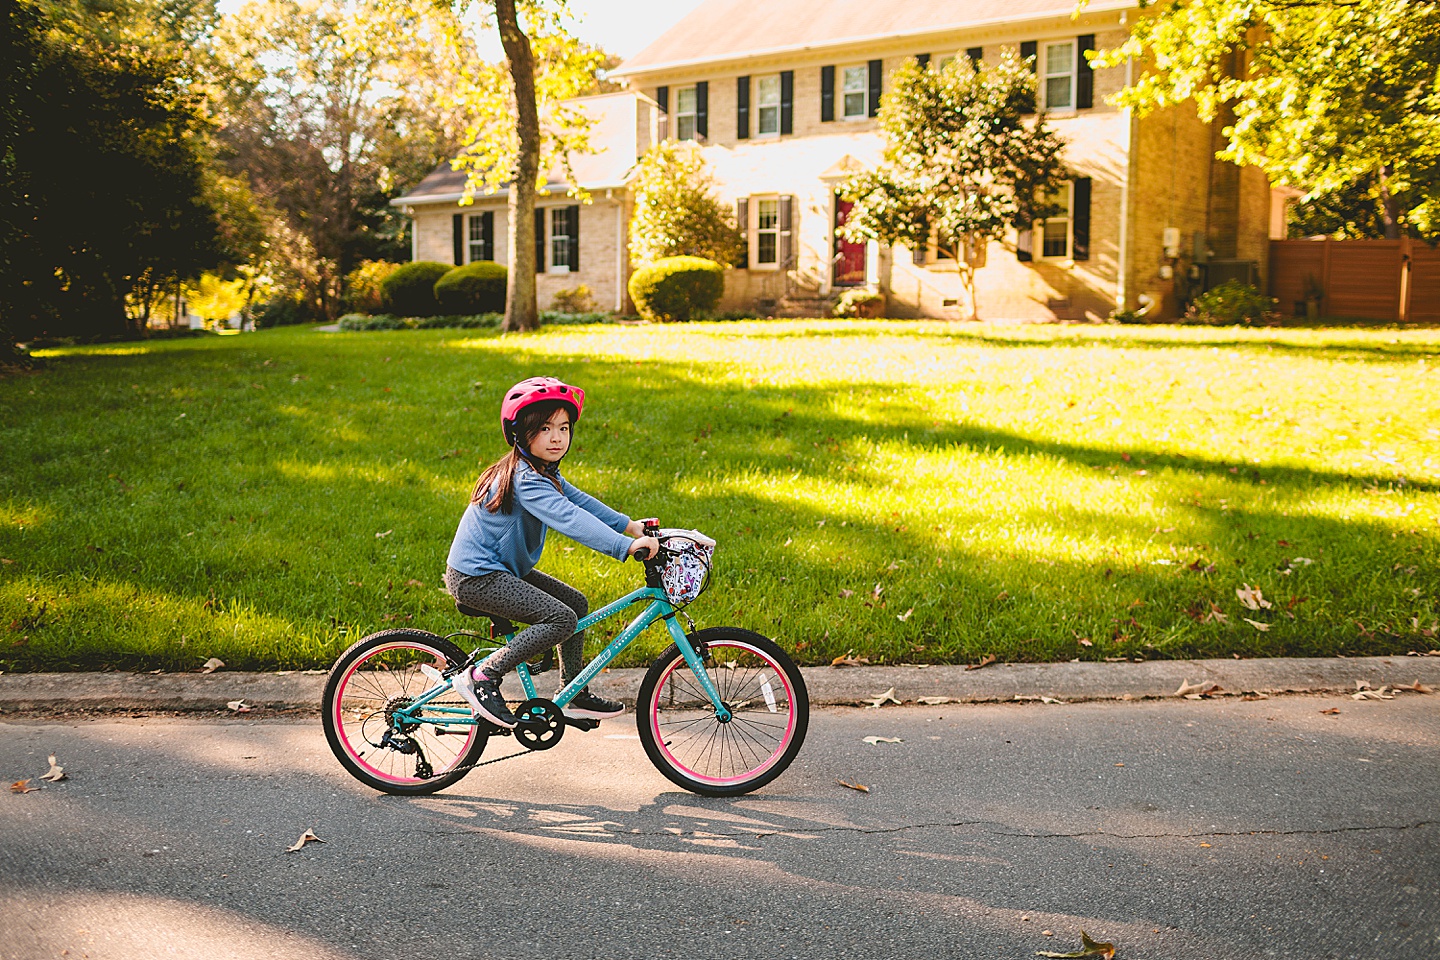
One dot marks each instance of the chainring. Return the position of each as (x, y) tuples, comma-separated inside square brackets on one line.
[(541, 725)]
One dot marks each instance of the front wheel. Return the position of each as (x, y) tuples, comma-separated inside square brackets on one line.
[(769, 706), (377, 676)]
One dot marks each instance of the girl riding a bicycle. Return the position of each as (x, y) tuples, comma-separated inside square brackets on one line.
[(501, 536)]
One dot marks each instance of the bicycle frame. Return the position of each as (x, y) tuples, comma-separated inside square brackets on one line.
[(659, 608)]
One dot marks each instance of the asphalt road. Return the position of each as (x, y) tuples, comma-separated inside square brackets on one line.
[(1214, 829)]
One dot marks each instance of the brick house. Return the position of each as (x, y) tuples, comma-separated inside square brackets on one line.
[(784, 97)]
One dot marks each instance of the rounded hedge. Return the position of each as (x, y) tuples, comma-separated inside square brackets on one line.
[(477, 287), (410, 290), (677, 288)]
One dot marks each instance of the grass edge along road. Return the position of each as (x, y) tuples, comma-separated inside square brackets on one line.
[(898, 491)]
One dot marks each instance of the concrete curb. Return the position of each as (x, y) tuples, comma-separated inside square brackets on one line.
[(190, 692)]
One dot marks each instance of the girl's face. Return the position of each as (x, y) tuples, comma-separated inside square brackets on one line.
[(553, 440)]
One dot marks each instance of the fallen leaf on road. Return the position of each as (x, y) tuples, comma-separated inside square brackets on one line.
[(1050, 700), (1088, 948), (887, 697), (1416, 687), (307, 837), (1372, 694), (22, 786), (1196, 690), (1262, 627), (848, 659), (934, 701), (985, 661), (1331, 712), (902, 617), (1251, 598), (877, 740), (211, 665), (854, 786), (238, 706), (56, 773)]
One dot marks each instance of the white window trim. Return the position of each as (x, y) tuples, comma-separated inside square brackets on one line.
[(692, 114), (474, 225), (755, 231), (1037, 245), (551, 266), (864, 92), (760, 104), (1045, 75)]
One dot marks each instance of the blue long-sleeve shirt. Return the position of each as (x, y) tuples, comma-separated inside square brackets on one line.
[(512, 542)]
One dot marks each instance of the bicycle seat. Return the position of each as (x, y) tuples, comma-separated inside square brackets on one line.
[(500, 624)]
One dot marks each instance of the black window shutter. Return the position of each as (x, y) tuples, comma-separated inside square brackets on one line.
[(487, 235), (573, 215), (662, 97), (1080, 219), (917, 252), (742, 108), (1029, 50), (787, 101), (702, 110), (976, 54), (539, 240), (742, 220), (875, 68), (1024, 237), (1084, 76), (787, 205), (827, 94), (457, 231), (923, 59)]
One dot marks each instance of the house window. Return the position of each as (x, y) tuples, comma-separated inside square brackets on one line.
[(767, 230), (944, 62), (767, 103), (685, 113), (856, 84), (1055, 231), (1060, 75), (559, 240), (477, 238)]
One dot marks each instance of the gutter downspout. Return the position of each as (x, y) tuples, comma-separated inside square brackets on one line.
[(1122, 286), (619, 250)]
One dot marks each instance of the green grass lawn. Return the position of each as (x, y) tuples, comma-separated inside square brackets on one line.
[(906, 491)]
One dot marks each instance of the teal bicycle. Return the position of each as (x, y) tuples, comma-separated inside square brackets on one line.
[(723, 711)]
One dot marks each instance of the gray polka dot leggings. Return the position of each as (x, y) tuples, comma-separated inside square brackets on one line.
[(550, 606)]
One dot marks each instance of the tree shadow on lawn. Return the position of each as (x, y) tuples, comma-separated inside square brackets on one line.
[(328, 558)]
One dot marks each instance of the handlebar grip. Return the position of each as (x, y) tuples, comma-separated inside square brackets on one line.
[(642, 554)]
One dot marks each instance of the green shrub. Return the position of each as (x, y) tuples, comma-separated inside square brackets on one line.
[(477, 287), (579, 300), (410, 290), (561, 317), (284, 311), (460, 322), (1230, 303), (360, 321), (677, 288), (860, 303), (363, 293)]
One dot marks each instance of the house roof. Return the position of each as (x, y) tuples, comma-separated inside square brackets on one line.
[(731, 29), (612, 141)]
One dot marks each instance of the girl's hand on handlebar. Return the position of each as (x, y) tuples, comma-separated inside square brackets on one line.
[(650, 545), (636, 528)]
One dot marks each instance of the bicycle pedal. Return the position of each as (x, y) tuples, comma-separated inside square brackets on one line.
[(582, 723)]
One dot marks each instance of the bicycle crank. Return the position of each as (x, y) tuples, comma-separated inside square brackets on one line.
[(541, 725)]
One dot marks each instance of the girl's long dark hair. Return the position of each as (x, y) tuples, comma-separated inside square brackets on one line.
[(501, 473)]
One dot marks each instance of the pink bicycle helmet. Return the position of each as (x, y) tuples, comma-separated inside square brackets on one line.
[(535, 390)]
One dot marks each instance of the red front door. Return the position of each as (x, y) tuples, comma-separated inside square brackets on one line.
[(849, 257)]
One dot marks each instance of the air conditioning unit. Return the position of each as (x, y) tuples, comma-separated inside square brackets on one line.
[(1220, 271)]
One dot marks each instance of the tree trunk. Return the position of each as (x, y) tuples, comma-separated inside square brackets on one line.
[(1389, 206), (521, 310)]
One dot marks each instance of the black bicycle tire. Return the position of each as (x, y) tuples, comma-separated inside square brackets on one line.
[(648, 687), (453, 655)]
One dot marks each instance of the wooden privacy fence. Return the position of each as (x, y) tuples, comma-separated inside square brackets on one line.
[(1391, 280)]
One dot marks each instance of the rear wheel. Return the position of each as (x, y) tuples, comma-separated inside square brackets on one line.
[(371, 680), (770, 712)]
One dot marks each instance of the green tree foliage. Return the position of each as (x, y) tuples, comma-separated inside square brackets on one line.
[(1324, 95), (105, 187), (676, 212), (962, 162)]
